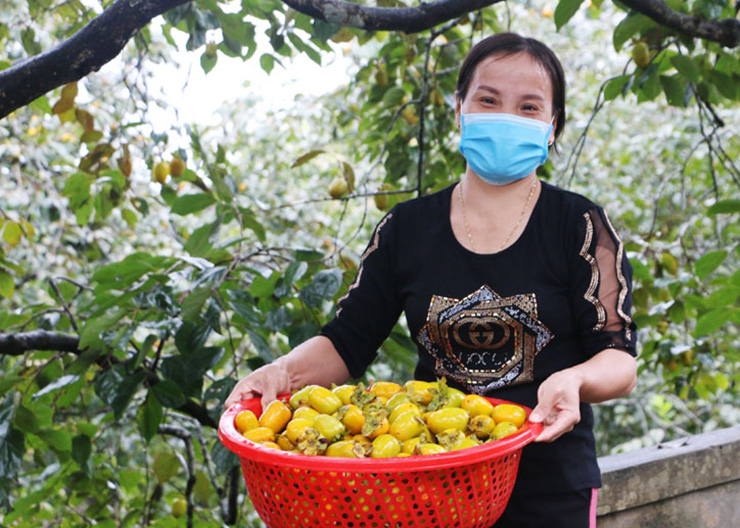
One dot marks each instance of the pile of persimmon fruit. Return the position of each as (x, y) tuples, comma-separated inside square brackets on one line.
[(383, 420)]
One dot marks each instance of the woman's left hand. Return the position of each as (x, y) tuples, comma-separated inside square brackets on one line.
[(557, 405), (609, 374)]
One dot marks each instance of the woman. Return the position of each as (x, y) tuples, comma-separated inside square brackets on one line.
[(511, 287)]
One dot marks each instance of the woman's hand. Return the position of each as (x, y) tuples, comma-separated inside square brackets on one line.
[(268, 381), (315, 361), (609, 374), (557, 407)]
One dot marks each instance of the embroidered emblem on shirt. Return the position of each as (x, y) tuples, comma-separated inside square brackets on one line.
[(484, 341)]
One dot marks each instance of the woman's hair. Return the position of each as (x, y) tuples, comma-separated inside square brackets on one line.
[(506, 44)]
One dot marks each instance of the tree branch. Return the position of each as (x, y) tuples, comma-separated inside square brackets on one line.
[(725, 32), (18, 344), (86, 51), (406, 19)]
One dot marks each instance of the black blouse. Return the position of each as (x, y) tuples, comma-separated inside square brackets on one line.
[(497, 324)]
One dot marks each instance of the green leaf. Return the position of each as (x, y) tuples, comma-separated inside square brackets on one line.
[(712, 321), (293, 273), (674, 90), (121, 275), (165, 466), (92, 332), (7, 284), (25, 419), (149, 416), (12, 448), (243, 304), (725, 296), (565, 11), (729, 206), (686, 67), (191, 338), (81, 449), (308, 255), (192, 203), (116, 387), (168, 393), (262, 287), (129, 216), (208, 61), (202, 489), (223, 458), (615, 87), (394, 96), (57, 439), (708, 263), (193, 304), (267, 63), (77, 189), (308, 156), (724, 84), (277, 320), (57, 384), (629, 26), (325, 285), (199, 242), (261, 345), (299, 333), (249, 221)]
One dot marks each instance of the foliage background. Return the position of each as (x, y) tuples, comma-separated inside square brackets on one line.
[(176, 289)]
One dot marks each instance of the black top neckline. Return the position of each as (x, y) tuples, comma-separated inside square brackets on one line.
[(456, 243)]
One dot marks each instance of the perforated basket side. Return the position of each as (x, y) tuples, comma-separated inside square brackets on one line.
[(470, 496)]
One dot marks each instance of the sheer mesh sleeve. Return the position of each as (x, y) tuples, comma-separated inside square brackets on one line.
[(603, 287)]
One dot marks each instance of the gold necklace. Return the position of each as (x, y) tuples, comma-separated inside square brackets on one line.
[(516, 227)]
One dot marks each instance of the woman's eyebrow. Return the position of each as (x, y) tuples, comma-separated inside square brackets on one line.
[(491, 89)]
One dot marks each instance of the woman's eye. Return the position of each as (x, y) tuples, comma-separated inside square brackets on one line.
[(488, 100)]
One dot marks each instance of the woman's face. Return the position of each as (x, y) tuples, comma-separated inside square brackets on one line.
[(514, 84)]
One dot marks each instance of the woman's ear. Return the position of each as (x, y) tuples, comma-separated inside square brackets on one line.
[(551, 139), (458, 110)]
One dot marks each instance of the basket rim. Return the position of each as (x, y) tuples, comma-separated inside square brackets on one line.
[(246, 449)]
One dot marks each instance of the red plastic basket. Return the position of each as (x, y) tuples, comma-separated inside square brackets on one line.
[(468, 488)]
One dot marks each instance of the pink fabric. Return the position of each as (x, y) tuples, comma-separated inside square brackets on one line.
[(592, 511)]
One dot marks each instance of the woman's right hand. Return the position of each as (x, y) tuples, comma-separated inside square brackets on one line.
[(268, 381)]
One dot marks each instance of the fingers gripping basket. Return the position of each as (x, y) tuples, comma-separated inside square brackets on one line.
[(460, 489)]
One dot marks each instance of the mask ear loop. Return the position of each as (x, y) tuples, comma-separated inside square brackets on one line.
[(551, 125)]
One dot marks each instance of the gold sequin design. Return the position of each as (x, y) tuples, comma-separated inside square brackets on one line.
[(622, 281), (589, 295), (370, 249), (484, 341)]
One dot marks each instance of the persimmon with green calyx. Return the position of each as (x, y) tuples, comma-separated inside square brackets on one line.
[(301, 397), (508, 412), (161, 171), (641, 54), (324, 400), (338, 188), (329, 427), (179, 507), (276, 416), (246, 421), (177, 167), (504, 429), (385, 446), (448, 418)]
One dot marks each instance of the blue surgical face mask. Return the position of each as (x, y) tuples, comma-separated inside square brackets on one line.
[(503, 148)]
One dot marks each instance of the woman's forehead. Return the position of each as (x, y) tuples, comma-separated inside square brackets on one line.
[(519, 71)]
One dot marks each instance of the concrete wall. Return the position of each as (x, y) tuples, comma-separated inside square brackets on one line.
[(693, 482)]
